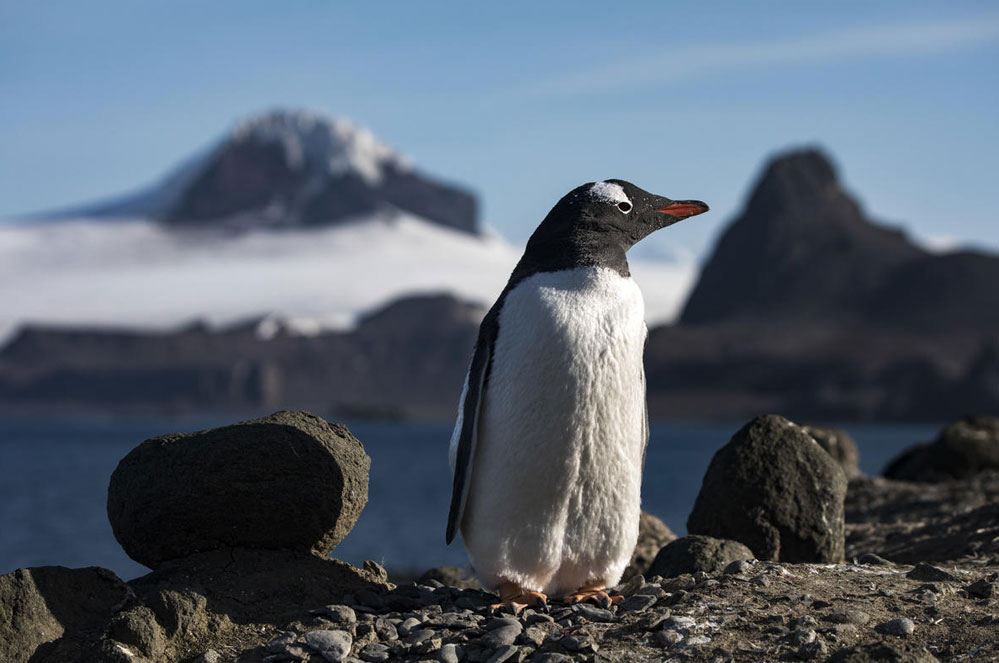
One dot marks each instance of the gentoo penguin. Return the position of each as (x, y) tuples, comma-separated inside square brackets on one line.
[(549, 443)]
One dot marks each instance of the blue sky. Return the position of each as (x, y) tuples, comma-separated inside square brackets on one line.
[(523, 101)]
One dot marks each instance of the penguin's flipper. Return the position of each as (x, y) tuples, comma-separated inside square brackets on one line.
[(466, 433), (645, 420)]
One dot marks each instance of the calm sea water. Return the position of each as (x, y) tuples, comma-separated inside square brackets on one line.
[(54, 475)]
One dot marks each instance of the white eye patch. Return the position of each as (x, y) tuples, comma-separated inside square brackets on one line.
[(612, 193)]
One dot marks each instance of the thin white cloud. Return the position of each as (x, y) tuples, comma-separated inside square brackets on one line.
[(685, 62)]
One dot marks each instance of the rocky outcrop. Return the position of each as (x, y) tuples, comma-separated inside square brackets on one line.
[(839, 445), (51, 613), (697, 554), (774, 489), (289, 481), (961, 450), (803, 251)]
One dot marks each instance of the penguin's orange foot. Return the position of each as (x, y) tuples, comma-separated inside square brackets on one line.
[(595, 594), (515, 598)]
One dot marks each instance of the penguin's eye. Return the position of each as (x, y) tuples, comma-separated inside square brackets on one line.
[(624, 207)]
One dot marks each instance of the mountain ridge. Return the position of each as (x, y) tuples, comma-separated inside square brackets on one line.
[(292, 168)]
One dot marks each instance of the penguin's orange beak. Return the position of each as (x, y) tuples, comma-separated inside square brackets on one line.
[(681, 209)]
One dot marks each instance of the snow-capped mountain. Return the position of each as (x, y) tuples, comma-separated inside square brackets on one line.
[(333, 224), (294, 168)]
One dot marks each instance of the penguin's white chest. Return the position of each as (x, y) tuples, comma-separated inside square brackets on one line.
[(555, 492)]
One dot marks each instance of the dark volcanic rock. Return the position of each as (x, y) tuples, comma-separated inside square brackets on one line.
[(961, 450), (290, 480), (653, 534), (840, 446), (52, 614), (695, 553), (774, 489)]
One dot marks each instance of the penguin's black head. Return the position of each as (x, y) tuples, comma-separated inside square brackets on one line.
[(594, 224), (616, 207)]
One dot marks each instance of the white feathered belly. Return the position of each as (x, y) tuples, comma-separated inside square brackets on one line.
[(555, 497)]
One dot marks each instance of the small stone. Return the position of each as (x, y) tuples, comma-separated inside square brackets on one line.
[(983, 588), (427, 646), (498, 637), (339, 614), (739, 566), (840, 631), (551, 657), (374, 652), (593, 613), (652, 621), (667, 639), (449, 653), (694, 641), (377, 569), (874, 560), (652, 590), (418, 636), (850, 616), (635, 583), (901, 627), (386, 630), (408, 626), (577, 642), (499, 622), (502, 654), (928, 573), (210, 656), (539, 617), (802, 637), (813, 650), (333, 645), (532, 635), (637, 603), (678, 622)]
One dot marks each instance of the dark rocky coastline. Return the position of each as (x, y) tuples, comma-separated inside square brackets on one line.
[(806, 307), (920, 580)]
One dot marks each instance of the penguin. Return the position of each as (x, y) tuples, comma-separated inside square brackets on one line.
[(549, 443)]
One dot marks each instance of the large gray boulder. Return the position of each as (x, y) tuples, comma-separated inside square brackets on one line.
[(961, 450), (695, 553), (839, 445), (287, 481), (51, 613), (774, 489)]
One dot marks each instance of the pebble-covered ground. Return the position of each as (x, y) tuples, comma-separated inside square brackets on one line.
[(753, 611)]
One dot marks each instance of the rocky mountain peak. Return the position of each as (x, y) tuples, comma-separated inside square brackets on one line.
[(293, 168), (319, 145), (802, 248), (795, 179)]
